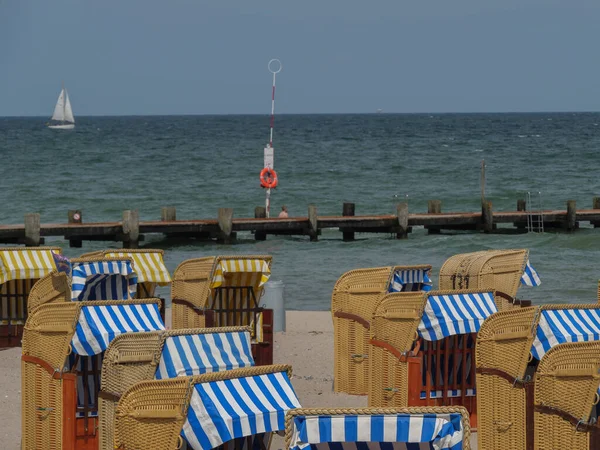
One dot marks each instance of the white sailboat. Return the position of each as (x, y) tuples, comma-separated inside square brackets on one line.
[(62, 119)]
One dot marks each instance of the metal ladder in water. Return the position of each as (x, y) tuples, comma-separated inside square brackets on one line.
[(535, 218)]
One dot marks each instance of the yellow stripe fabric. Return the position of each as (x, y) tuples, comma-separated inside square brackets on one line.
[(241, 272), (149, 266), (25, 264)]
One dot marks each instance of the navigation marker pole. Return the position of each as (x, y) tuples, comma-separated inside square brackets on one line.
[(274, 67)]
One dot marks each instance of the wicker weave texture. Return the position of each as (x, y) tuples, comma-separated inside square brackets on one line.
[(41, 409), (567, 379), (501, 405), (191, 282), (500, 270), (289, 419), (356, 292), (51, 288)]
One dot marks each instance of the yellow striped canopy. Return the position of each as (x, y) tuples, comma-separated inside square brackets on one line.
[(241, 272), (26, 264), (148, 265)]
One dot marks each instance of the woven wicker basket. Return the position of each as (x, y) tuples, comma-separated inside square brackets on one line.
[(566, 386), (498, 270), (49, 396), (289, 418), (129, 359), (151, 414), (355, 297)]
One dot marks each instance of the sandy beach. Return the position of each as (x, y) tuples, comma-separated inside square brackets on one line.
[(307, 345)]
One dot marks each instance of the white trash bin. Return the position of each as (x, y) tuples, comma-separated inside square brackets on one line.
[(273, 298)]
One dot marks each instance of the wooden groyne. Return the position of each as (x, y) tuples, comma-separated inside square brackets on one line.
[(130, 230)]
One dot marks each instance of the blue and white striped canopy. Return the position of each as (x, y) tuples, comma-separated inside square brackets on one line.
[(393, 431), (447, 315), (530, 276), (98, 325), (557, 326), (196, 354), (220, 411), (410, 280), (103, 280)]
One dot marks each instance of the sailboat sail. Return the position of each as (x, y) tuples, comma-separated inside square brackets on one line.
[(59, 109), (68, 110)]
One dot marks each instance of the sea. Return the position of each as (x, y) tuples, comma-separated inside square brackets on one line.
[(201, 163)]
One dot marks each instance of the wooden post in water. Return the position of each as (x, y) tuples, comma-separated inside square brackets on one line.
[(487, 217), (596, 205), (348, 210), (168, 213), (313, 222), (131, 229), (572, 224), (32, 230), (75, 216), (521, 206), (434, 207), (402, 213), (225, 220), (260, 212)]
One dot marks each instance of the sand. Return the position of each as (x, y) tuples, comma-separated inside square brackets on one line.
[(307, 345)]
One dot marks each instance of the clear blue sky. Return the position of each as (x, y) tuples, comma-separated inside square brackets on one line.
[(210, 57)]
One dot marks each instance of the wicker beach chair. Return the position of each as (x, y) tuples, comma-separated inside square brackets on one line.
[(234, 409), (20, 268), (566, 392), (87, 278), (149, 266), (501, 270), (228, 290), (63, 344), (441, 428), (509, 348), (355, 297), (422, 348), (134, 357)]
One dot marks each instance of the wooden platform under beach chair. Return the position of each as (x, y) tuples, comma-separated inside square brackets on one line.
[(510, 346), (230, 410), (504, 271), (441, 428), (86, 278), (230, 287), (422, 348), (134, 357), (355, 297), (20, 269), (63, 344), (149, 266)]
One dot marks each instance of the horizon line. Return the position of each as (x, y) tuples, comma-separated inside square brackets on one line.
[(317, 114)]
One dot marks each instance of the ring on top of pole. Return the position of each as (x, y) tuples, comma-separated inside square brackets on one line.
[(279, 65)]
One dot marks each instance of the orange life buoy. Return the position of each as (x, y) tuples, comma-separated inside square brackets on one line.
[(268, 178)]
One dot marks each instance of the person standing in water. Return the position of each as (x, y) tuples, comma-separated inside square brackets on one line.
[(284, 212)]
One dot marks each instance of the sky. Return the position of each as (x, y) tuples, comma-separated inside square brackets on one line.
[(135, 57)]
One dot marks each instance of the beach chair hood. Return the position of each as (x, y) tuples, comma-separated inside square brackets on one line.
[(375, 429), (240, 271), (24, 264), (149, 265), (102, 279), (206, 410)]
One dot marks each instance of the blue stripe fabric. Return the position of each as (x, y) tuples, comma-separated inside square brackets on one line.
[(530, 277), (195, 354), (390, 431), (103, 280), (448, 315), (99, 325), (557, 326), (220, 411), (410, 280)]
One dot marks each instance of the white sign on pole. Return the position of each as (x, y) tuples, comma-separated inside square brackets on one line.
[(269, 156)]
